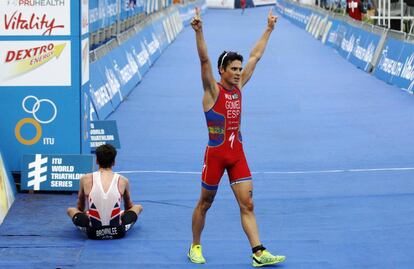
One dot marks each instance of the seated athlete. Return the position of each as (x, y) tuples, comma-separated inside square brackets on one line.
[(100, 196)]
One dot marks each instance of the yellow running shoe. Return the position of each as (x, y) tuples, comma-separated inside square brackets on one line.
[(195, 254), (266, 259)]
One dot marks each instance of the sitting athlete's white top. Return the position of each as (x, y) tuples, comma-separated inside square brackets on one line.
[(104, 208)]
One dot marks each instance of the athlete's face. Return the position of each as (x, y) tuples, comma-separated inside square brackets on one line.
[(232, 73)]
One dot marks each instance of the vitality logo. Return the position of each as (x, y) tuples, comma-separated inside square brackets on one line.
[(38, 168)]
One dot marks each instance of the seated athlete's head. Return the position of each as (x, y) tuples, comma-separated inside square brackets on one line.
[(230, 66), (105, 156)]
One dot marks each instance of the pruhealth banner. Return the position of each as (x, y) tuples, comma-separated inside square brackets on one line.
[(42, 172), (29, 18)]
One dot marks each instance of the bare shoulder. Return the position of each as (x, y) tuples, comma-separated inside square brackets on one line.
[(123, 179), (86, 183), (86, 179), (123, 184)]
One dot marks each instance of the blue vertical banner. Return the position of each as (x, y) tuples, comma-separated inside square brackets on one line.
[(40, 74)]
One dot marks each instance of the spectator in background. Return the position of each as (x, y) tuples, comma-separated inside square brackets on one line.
[(355, 9), (243, 5)]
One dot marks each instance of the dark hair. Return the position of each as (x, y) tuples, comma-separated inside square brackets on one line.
[(105, 155), (227, 57)]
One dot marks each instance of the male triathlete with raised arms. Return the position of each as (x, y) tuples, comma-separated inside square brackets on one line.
[(222, 104)]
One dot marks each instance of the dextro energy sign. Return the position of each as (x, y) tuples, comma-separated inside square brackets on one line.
[(35, 63), (34, 17)]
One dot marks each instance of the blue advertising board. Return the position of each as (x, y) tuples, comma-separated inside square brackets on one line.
[(363, 50), (405, 78), (99, 93), (111, 78), (336, 34), (137, 48), (389, 64), (352, 35), (43, 172), (126, 69), (151, 42)]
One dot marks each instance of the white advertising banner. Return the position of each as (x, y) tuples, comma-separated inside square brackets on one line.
[(220, 3), (35, 63), (85, 60), (263, 2), (85, 17), (34, 17), (6, 193)]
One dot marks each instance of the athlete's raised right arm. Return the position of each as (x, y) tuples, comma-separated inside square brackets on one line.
[(209, 83)]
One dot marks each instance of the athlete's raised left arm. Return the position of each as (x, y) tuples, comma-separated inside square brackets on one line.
[(258, 50)]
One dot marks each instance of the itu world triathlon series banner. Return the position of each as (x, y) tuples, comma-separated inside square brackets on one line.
[(54, 172)]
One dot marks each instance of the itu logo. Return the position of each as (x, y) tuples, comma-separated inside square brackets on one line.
[(31, 105), (38, 168)]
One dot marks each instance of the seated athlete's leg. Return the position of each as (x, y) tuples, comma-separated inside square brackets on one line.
[(130, 216), (72, 211), (137, 209), (79, 218)]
